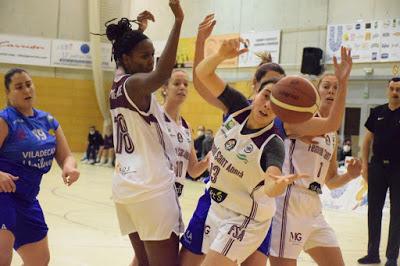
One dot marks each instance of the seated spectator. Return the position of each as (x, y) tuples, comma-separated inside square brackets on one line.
[(106, 152), (95, 140)]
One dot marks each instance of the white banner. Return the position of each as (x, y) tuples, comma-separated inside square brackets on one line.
[(268, 41), (370, 41), (24, 50), (352, 197), (76, 54)]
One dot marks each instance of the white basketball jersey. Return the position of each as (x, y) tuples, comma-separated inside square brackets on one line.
[(144, 152), (181, 138), (237, 179), (311, 159)]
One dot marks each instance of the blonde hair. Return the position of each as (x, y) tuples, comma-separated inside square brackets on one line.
[(264, 56), (321, 78)]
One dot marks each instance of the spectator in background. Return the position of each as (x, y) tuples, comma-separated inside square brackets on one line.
[(95, 140), (106, 152), (345, 151), (207, 143), (198, 142)]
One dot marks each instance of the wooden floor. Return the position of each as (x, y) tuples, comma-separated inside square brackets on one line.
[(84, 229)]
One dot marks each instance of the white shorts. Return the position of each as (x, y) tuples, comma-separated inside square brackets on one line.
[(231, 234), (152, 219), (299, 224)]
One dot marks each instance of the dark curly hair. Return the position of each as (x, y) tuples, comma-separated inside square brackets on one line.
[(123, 37)]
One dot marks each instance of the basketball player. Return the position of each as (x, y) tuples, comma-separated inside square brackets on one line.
[(29, 141), (192, 239), (143, 182), (175, 92), (298, 223), (245, 168)]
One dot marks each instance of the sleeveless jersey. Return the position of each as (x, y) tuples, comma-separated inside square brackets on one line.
[(29, 149), (143, 168), (182, 140), (311, 159), (237, 179)]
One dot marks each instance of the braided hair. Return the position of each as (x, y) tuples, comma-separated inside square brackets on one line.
[(123, 38)]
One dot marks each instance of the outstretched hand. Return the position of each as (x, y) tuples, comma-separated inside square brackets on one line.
[(176, 9), (143, 19), (354, 167), (231, 48), (206, 27), (287, 179), (343, 69)]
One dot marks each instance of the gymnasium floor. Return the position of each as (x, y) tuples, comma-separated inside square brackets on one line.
[(84, 229)]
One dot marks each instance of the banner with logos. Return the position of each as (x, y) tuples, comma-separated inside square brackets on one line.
[(76, 54), (258, 42), (352, 197), (370, 41), (25, 50)]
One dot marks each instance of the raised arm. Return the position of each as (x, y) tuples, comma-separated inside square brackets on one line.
[(204, 31), (318, 126), (206, 69), (143, 84)]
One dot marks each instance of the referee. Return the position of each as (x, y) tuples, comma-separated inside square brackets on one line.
[(383, 173)]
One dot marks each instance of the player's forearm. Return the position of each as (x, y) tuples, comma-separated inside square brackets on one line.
[(198, 168), (339, 180)]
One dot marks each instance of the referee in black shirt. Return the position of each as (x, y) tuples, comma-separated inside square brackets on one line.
[(383, 173)]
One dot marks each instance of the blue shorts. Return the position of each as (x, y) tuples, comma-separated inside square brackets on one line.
[(192, 239), (24, 219)]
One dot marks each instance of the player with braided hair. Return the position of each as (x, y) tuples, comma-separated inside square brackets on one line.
[(143, 182)]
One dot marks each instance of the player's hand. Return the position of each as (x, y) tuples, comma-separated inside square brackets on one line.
[(354, 167), (7, 183), (206, 27), (343, 69), (287, 179), (231, 48), (70, 175), (177, 10), (143, 19)]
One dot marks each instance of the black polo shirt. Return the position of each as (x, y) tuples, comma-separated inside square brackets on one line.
[(385, 125)]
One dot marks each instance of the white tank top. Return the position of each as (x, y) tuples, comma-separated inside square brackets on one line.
[(143, 167), (237, 179), (311, 159), (181, 138)]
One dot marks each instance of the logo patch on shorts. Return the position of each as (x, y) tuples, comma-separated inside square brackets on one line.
[(217, 195), (296, 238), (236, 232), (3, 226)]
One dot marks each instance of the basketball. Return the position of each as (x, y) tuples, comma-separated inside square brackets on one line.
[(294, 99)]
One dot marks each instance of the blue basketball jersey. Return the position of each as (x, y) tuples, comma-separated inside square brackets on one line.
[(29, 149)]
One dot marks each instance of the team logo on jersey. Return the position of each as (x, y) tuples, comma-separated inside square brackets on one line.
[(21, 134), (316, 187), (248, 149), (242, 157), (217, 195), (4, 227), (179, 137), (230, 144), (229, 124), (52, 132)]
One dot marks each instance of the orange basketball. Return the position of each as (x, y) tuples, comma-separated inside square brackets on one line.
[(294, 99)]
